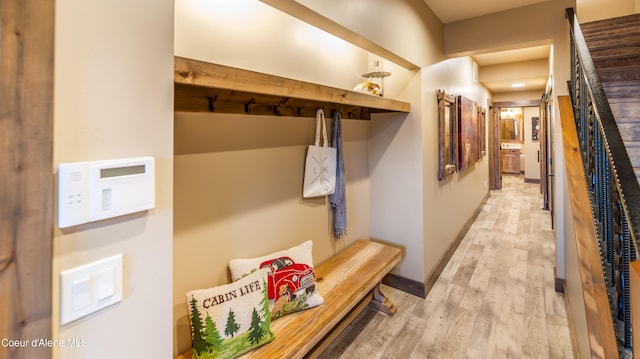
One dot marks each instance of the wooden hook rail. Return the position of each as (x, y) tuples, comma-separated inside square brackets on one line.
[(207, 87)]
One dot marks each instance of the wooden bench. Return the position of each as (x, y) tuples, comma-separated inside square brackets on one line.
[(348, 282)]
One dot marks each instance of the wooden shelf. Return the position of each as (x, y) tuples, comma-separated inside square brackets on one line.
[(206, 87)]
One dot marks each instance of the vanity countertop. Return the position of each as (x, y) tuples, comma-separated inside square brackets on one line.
[(510, 146)]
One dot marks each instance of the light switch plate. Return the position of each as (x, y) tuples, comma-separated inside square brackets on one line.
[(81, 294), (105, 284), (89, 288)]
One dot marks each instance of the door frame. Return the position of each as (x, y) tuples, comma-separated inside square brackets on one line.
[(26, 173), (495, 170), (495, 173), (544, 152)]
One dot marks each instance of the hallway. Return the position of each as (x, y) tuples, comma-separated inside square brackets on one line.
[(494, 299)]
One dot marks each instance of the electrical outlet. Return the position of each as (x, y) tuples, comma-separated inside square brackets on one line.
[(374, 63)]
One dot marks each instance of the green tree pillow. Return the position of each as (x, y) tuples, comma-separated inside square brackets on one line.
[(291, 278), (231, 319)]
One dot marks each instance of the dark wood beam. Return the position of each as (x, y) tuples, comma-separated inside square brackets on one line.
[(26, 177)]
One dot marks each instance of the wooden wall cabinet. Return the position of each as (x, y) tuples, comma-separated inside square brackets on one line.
[(510, 160)]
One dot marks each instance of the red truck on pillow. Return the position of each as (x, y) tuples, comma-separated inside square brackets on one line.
[(289, 277)]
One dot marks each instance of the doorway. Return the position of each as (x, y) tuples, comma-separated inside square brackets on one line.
[(511, 140), (522, 137)]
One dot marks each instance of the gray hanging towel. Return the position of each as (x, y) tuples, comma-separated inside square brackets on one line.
[(338, 200)]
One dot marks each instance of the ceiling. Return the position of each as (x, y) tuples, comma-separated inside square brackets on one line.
[(447, 12), (466, 9), (535, 80), (517, 55)]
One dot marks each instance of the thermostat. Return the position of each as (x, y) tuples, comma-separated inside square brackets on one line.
[(96, 190)]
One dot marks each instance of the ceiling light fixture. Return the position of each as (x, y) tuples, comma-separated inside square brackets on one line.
[(519, 84)]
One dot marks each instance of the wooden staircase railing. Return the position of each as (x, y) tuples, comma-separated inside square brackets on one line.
[(599, 323), (611, 182)]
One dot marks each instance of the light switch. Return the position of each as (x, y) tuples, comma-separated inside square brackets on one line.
[(81, 294), (89, 288), (105, 284)]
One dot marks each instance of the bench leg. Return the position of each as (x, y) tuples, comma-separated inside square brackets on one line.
[(381, 302)]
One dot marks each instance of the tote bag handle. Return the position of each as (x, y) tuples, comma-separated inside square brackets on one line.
[(320, 121)]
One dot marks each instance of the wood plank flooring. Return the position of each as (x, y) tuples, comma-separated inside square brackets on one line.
[(494, 299)]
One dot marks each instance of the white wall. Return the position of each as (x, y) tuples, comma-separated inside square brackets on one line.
[(387, 24), (251, 35), (450, 203), (531, 147), (518, 95), (396, 180), (592, 10), (114, 98), (238, 183)]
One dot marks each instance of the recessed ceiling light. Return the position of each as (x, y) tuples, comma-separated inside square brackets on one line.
[(519, 84)]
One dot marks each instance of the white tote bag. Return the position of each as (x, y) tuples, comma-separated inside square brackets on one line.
[(320, 167)]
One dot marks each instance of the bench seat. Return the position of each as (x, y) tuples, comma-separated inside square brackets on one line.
[(348, 282)]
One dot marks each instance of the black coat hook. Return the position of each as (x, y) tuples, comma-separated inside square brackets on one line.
[(212, 101), (276, 108), (248, 107), (299, 109)]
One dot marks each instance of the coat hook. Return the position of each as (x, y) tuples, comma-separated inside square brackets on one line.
[(248, 107), (365, 114), (276, 108), (212, 101), (299, 109)]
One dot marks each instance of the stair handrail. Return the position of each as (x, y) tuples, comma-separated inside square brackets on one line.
[(615, 192), (624, 174), (599, 323)]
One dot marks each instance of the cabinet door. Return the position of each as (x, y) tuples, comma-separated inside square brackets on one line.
[(510, 161)]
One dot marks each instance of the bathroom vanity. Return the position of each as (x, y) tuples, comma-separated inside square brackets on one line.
[(510, 157)]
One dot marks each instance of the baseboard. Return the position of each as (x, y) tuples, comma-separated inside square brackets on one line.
[(559, 285), (420, 289), (405, 284), (531, 180), (435, 274)]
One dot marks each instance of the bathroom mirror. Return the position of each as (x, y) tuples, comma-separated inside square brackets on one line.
[(511, 126)]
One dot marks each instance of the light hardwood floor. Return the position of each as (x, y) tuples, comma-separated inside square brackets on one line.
[(494, 299)]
